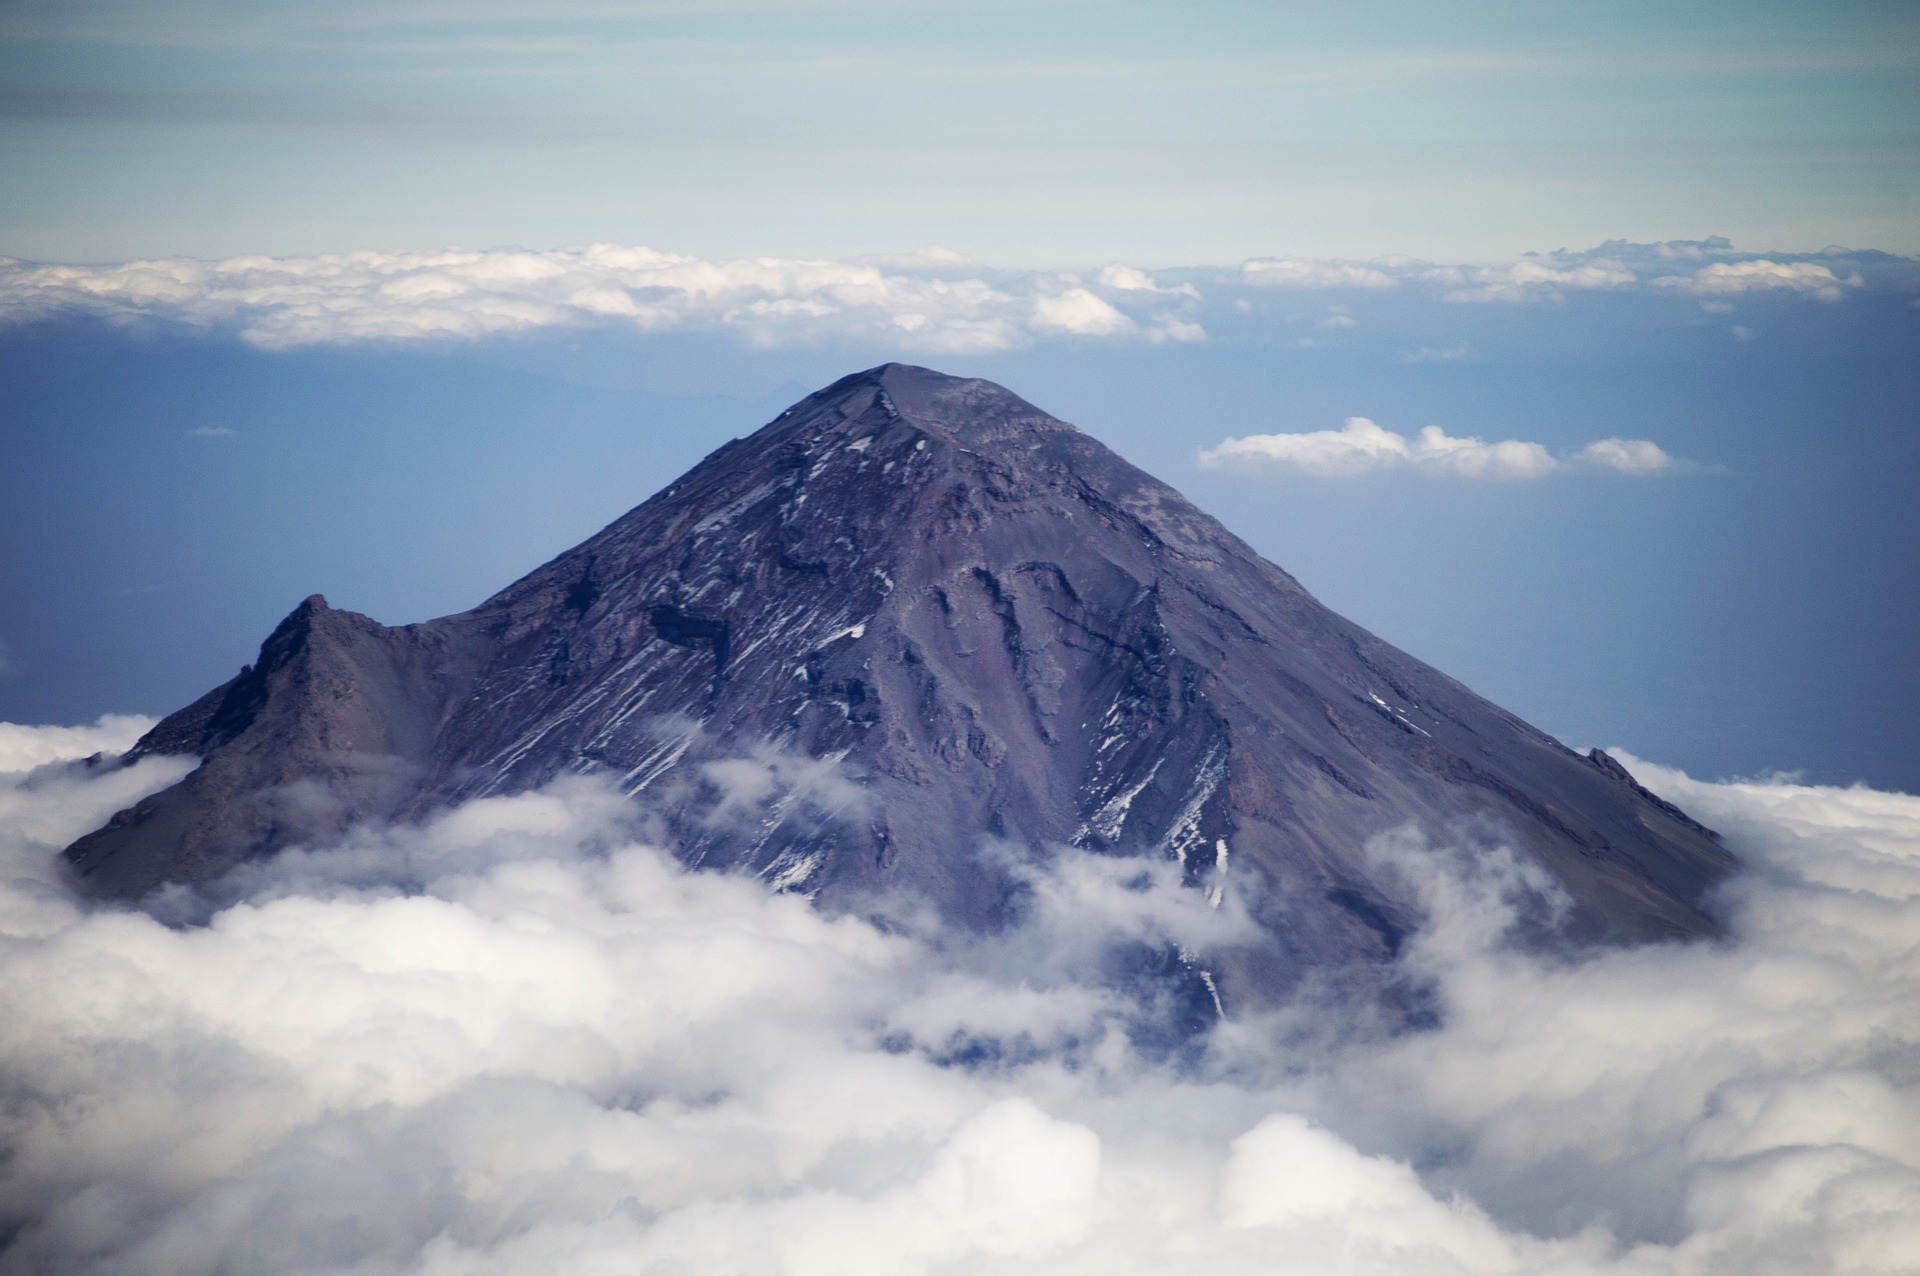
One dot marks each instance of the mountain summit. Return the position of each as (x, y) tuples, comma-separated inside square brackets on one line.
[(913, 614)]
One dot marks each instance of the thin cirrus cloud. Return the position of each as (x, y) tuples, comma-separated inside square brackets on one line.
[(513, 1039), (1362, 445)]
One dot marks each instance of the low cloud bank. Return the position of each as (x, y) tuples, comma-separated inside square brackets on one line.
[(1723, 279), (932, 301), (935, 301), (24, 748), (556, 1051), (1361, 445)]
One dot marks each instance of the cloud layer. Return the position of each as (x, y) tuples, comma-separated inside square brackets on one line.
[(559, 1052), (934, 300), (24, 748), (1361, 445)]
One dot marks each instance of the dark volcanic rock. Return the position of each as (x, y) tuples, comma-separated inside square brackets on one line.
[(911, 612)]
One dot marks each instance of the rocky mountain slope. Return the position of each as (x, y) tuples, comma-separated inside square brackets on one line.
[(912, 613)]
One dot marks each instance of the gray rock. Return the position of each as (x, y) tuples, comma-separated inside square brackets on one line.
[(911, 613)]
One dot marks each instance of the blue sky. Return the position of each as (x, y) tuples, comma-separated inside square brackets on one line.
[(1051, 133), (1176, 226)]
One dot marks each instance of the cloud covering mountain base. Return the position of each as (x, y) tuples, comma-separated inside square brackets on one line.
[(554, 1050)]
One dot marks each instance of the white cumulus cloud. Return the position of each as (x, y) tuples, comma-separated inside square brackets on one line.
[(1079, 312), (1434, 449), (1528, 279), (555, 1050), (1629, 456), (1361, 445), (1732, 278)]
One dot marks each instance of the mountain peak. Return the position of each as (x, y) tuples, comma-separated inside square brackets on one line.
[(969, 412), (842, 657)]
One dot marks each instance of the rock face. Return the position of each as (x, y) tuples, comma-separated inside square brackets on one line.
[(912, 613)]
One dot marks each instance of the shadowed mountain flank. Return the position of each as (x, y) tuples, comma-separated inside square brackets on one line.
[(912, 616)]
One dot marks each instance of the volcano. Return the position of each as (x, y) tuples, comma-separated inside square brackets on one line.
[(908, 628)]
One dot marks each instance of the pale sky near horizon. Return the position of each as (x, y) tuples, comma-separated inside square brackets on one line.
[(1066, 133)]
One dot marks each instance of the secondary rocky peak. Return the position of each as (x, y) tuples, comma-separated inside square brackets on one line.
[(929, 614)]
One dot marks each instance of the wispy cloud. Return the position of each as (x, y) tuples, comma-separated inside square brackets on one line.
[(1361, 445), (1437, 354), (1300, 272)]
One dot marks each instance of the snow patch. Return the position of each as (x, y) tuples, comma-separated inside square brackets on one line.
[(790, 872), (1184, 833), (1217, 892), (851, 631), (1219, 1007), (733, 509), (1112, 815), (1399, 717)]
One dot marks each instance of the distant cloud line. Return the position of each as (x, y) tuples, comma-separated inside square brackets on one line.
[(934, 300)]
